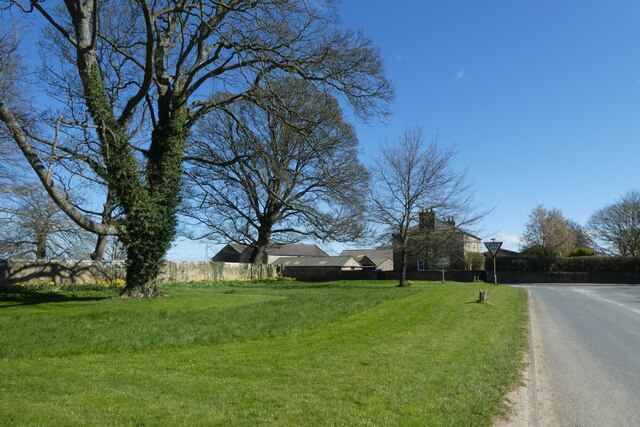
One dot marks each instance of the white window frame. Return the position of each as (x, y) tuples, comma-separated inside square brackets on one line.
[(421, 265)]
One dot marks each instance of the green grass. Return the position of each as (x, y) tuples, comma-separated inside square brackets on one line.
[(363, 353)]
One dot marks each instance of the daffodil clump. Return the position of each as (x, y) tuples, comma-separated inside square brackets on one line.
[(277, 279), (52, 286)]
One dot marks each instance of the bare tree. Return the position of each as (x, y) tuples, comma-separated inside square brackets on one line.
[(616, 228), (284, 169), (32, 226), (9, 66), (137, 75), (10, 62), (548, 233), (412, 177)]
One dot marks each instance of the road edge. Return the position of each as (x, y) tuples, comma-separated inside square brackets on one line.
[(522, 401), (534, 405)]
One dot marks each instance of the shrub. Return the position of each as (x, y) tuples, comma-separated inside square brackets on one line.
[(578, 252), (474, 261)]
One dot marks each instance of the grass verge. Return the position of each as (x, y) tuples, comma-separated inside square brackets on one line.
[(235, 354)]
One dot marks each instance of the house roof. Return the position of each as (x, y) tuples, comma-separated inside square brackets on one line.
[(237, 247), (444, 225), (229, 253), (378, 261), (296, 249), (322, 261), (369, 253)]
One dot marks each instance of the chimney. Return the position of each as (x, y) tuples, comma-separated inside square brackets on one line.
[(427, 219)]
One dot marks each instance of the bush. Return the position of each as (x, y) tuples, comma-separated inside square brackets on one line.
[(578, 252), (474, 261)]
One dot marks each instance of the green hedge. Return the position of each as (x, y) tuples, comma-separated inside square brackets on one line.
[(570, 264)]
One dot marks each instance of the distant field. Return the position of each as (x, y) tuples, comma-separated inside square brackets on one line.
[(362, 353)]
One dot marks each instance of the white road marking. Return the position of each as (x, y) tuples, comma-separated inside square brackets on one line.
[(592, 294)]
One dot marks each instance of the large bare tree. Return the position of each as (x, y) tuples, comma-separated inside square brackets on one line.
[(412, 177), (283, 169), (134, 76), (616, 228), (549, 234)]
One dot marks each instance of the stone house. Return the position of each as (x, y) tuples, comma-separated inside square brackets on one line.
[(436, 244)]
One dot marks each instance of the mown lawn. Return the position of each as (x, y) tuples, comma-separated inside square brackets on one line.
[(363, 353)]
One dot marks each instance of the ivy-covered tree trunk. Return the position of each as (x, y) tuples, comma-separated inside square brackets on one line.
[(151, 222), (149, 205)]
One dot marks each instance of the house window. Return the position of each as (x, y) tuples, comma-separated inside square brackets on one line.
[(420, 265)]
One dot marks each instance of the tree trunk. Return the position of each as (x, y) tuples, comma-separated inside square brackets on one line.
[(403, 268), (101, 245), (143, 269), (41, 245), (259, 255), (150, 223), (101, 242)]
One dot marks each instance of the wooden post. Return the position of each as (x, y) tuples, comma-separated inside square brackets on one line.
[(483, 295)]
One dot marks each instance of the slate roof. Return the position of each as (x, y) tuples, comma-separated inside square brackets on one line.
[(378, 261), (238, 247), (369, 253), (296, 249)]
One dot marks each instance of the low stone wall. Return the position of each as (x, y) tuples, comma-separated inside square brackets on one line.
[(91, 271), (85, 271), (189, 271), (15, 271)]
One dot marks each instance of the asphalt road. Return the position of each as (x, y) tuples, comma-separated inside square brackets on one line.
[(587, 354)]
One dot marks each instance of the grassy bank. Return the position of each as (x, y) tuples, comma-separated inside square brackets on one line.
[(239, 354)]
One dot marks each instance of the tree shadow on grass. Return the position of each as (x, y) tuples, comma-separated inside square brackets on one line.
[(285, 286), (13, 298)]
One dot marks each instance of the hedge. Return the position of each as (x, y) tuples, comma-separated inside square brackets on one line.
[(570, 264)]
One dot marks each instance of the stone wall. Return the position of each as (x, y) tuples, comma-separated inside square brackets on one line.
[(91, 271), (327, 274)]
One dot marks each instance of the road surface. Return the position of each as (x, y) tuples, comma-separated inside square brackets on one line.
[(586, 343)]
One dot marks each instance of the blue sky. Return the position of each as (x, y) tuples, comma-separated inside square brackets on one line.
[(541, 99)]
